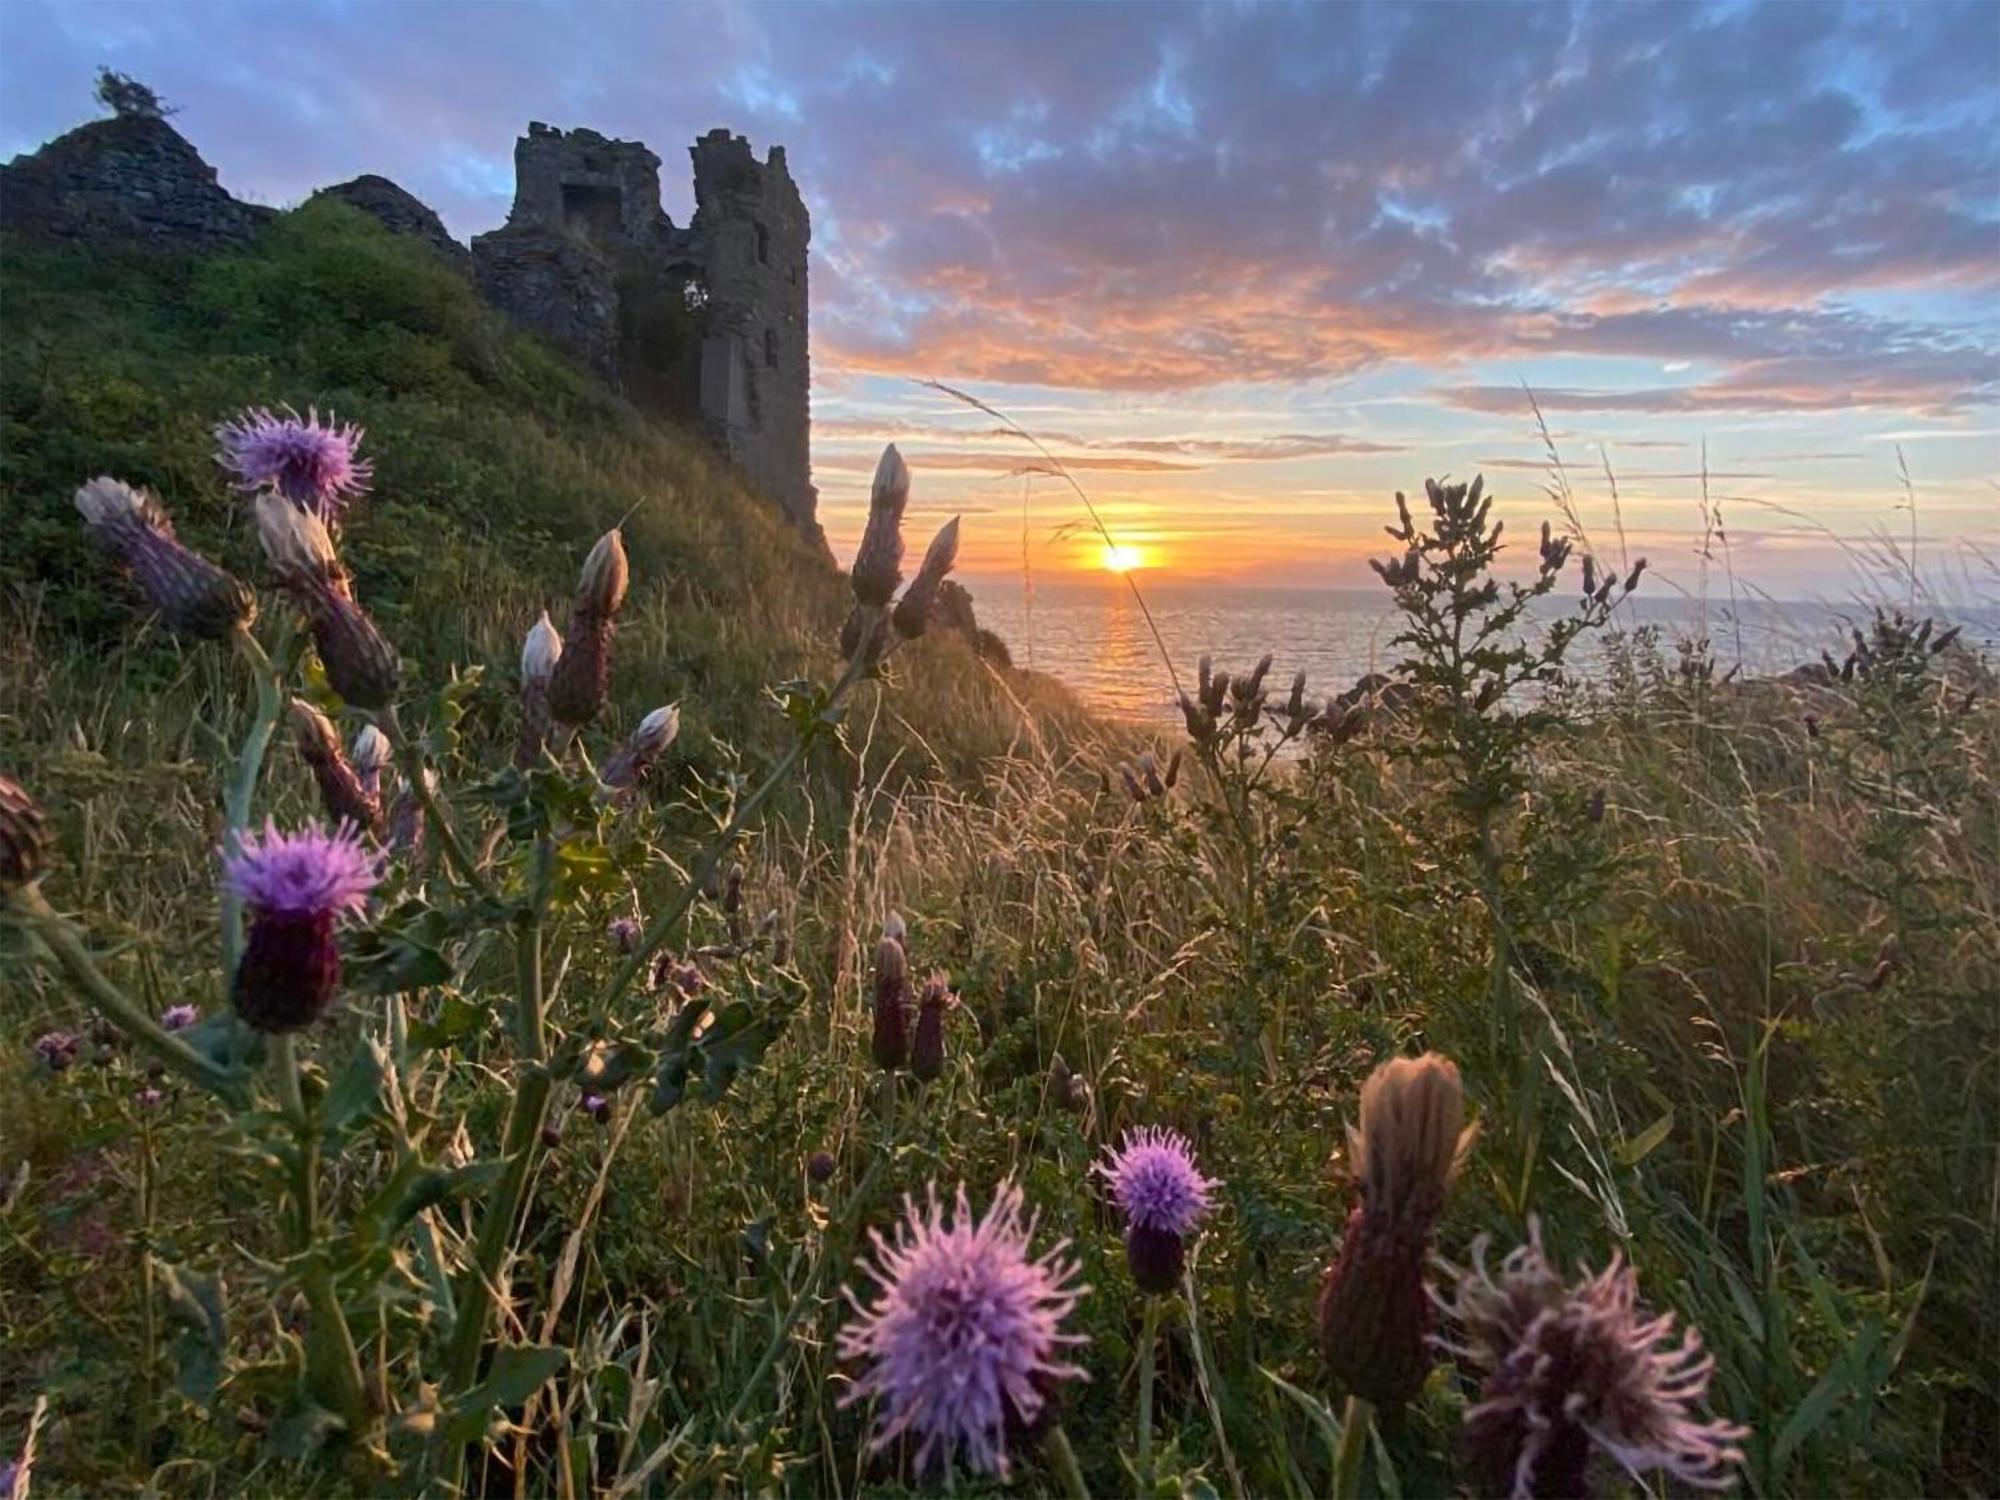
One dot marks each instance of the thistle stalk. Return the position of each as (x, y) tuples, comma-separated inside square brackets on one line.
[(412, 763), (1355, 1421), (1148, 1338), (242, 790)]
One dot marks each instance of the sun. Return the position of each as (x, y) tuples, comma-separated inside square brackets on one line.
[(1122, 559)]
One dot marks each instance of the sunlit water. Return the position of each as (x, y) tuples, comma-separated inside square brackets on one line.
[(1094, 635)]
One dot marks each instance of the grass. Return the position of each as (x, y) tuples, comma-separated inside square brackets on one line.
[(1698, 1045)]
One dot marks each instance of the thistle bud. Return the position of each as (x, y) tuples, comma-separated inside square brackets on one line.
[(539, 654), (1295, 705), (821, 1166), (891, 1044), (24, 836), (297, 546), (1131, 780), (360, 664), (634, 760), (340, 787), (580, 678), (1149, 771), (919, 601), (371, 754), (927, 1054), (191, 593), (1173, 769), (1374, 1313), (878, 564), (1632, 578)]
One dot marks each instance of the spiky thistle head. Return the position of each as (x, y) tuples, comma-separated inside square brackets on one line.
[(360, 663), (580, 680), (297, 886), (964, 1339), (933, 1001), (24, 835), (1568, 1369), (878, 563), (1164, 1198), (633, 761), (313, 464), (191, 593), (1412, 1133), (914, 610)]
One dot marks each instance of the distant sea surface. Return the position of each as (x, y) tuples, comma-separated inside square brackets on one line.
[(1093, 636)]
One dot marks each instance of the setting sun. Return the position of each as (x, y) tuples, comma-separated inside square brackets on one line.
[(1122, 559)]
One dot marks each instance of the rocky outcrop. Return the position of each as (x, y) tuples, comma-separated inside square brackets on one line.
[(133, 177), (400, 213), (562, 286)]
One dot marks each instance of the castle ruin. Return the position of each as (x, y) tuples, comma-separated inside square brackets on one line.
[(709, 320)]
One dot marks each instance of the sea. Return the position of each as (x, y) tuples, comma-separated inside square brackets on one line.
[(1095, 637)]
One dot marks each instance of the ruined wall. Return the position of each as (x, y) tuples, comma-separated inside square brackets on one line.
[(399, 212), (133, 177)]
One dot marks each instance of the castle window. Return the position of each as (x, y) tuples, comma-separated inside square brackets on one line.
[(771, 348), (593, 209), (763, 246)]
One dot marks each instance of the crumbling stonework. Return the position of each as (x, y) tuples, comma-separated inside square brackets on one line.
[(400, 212), (132, 177), (714, 315)]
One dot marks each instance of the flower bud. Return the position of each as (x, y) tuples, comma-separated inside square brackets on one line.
[(340, 787), (927, 1053), (821, 1166), (360, 664), (1374, 1312), (919, 601), (24, 836), (539, 655), (878, 564), (634, 759), (600, 589), (371, 755), (891, 1044), (580, 680), (191, 593), (297, 546)]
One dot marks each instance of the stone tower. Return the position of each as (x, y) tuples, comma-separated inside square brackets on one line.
[(709, 321)]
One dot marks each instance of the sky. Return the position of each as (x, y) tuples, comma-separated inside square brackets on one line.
[(1249, 269)]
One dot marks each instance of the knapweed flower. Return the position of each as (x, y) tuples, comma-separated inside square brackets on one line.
[(340, 787), (1164, 1198), (370, 756), (890, 1045), (878, 563), (913, 611), (311, 463), (927, 1051), (964, 1341), (580, 679), (633, 761), (296, 885), (57, 1049), (1374, 1312), (191, 593), (1568, 1369), (360, 664), (179, 1017), (24, 835), (539, 654)]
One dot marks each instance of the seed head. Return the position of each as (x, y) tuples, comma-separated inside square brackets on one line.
[(878, 564), (312, 464), (580, 678), (1568, 1369), (964, 1338), (191, 593), (914, 610), (24, 836)]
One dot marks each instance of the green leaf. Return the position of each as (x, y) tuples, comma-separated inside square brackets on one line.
[(1635, 1149), (518, 1371), (195, 1301), (356, 1093)]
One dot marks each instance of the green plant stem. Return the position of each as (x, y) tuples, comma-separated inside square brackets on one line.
[(662, 926), (480, 1280), (60, 938), (1147, 1339), (410, 757), (1062, 1458), (1355, 1420), (242, 789), (1205, 1370)]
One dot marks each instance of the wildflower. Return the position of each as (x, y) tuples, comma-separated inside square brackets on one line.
[(296, 886), (891, 1044), (1164, 1198), (539, 654), (965, 1339), (191, 593), (340, 787), (913, 611), (312, 464), (633, 761), (821, 1166), (580, 676), (1374, 1315), (624, 933), (682, 979), (360, 664), (150, 1098), (927, 1052), (371, 755), (24, 835), (179, 1017), (596, 1106), (1566, 1369), (878, 563), (57, 1049)]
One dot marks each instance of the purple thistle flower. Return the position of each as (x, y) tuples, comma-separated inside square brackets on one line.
[(1570, 1368), (57, 1049), (179, 1017), (624, 933), (965, 1340), (1164, 1197), (312, 464), (596, 1106), (296, 886)]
